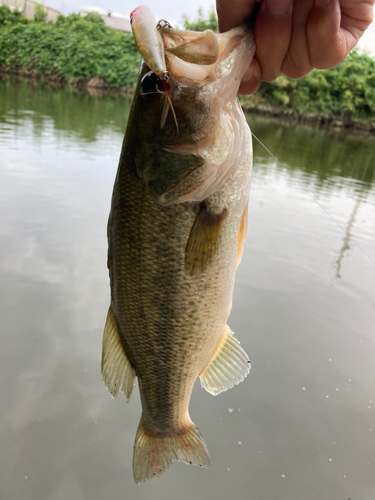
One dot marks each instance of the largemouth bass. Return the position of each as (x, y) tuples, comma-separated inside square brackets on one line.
[(176, 233)]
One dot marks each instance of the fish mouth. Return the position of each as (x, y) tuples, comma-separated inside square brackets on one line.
[(203, 58), (189, 156), (184, 62), (191, 57)]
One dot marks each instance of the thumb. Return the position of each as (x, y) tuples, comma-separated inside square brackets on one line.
[(251, 79)]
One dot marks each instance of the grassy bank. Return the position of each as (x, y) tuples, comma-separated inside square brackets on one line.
[(341, 95), (75, 50), (83, 51)]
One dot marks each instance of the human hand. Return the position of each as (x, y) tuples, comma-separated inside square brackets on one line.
[(295, 36)]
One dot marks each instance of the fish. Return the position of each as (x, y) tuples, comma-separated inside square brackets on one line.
[(176, 234)]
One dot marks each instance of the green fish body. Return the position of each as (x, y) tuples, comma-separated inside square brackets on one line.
[(176, 233)]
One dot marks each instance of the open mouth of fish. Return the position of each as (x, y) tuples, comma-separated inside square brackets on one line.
[(183, 67)]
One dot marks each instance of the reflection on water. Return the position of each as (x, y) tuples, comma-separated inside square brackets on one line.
[(301, 426), (347, 237), (72, 113), (328, 154)]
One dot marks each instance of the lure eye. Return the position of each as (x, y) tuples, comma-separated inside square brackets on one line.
[(151, 83)]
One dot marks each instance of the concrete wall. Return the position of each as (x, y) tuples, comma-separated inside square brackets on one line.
[(116, 22), (28, 8)]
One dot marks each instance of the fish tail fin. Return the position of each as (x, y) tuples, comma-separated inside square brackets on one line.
[(153, 455)]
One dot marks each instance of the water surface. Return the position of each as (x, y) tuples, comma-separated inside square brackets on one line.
[(302, 426)]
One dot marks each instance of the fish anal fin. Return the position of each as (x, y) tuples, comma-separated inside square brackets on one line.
[(242, 236), (117, 372), (154, 454), (228, 367), (204, 240)]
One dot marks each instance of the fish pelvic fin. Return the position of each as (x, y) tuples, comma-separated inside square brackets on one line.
[(229, 365), (117, 372), (154, 454)]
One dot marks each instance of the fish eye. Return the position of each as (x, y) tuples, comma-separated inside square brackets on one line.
[(151, 83)]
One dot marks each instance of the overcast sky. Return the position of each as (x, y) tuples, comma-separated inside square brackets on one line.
[(367, 42), (171, 10)]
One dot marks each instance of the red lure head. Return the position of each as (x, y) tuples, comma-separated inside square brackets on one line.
[(132, 14)]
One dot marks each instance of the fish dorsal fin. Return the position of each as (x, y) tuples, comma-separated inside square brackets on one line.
[(117, 371), (228, 367), (204, 240), (242, 236)]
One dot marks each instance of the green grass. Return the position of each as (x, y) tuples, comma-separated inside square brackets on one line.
[(346, 92), (74, 47)]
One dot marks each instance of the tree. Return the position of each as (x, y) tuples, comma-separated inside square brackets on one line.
[(8, 16), (201, 23), (39, 13)]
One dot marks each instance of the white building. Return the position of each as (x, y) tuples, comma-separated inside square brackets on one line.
[(115, 21), (27, 7)]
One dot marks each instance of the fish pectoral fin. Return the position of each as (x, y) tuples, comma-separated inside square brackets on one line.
[(117, 372), (229, 365), (153, 455), (242, 236), (204, 240)]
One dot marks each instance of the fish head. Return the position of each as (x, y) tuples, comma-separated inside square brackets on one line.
[(186, 117)]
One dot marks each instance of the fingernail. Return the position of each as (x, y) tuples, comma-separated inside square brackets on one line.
[(249, 75), (278, 7)]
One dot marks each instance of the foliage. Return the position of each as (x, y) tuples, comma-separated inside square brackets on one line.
[(8, 16), (40, 13), (74, 47), (201, 23), (346, 91)]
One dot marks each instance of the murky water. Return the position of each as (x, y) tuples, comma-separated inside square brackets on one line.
[(301, 427)]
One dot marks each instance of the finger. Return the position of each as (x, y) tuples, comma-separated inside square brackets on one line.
[(327, 42), (324, 32), (251, 79), (356, 16), (273, 30), (297, 61), (232, 14)]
